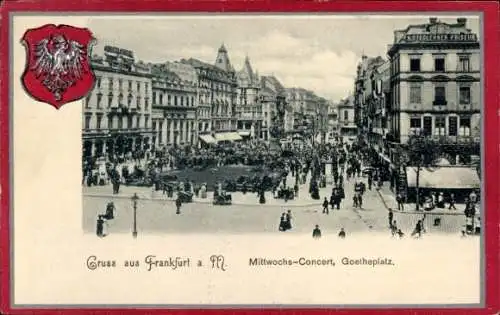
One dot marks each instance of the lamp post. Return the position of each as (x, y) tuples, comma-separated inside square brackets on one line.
[(134, 203)]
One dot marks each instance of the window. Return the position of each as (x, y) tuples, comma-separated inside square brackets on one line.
[(427, 125), (99, 99), (414, 64), (439, 126), (138, 86), (161, 99), (110, 83), (415, 94), (87, 101), (110, 122), (146, 121), (452, 126), (138, 122), (120, 122), (182, 101), (87, 121), (99, 121), (98, 82), (464, 126), (439, 95), (415, 123), (129, 84), (169, 99), (175, 100), (110, 99), (439, 64), (129, 122), (463, 64), (346, 115), (120, 84), (464, 95), (192, 100), (146, 103)]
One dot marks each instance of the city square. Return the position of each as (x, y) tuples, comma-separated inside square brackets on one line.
[(189, 146)]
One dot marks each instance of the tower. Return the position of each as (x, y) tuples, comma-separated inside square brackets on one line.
[(222, 60)]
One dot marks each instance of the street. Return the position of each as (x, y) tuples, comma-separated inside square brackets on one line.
[(158, 216)]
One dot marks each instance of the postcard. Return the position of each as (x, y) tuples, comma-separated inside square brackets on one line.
[(197, 160)]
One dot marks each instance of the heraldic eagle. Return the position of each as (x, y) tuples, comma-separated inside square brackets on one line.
[(59, 63)]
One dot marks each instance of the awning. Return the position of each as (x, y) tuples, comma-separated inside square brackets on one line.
[(444, 177), (244, 133), (207, 139), (227, 136)]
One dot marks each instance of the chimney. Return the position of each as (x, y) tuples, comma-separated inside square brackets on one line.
[(433, 20), (462, 21)]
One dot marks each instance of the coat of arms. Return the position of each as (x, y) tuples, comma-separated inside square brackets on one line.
[(58, 64)]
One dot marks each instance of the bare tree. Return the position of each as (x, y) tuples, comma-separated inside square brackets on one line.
[(421, 151)]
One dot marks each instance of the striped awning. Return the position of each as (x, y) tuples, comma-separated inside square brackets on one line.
[(444, 177), (207, 139), (227, 136)]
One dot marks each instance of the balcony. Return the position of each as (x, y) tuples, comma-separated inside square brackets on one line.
[(440, 103)]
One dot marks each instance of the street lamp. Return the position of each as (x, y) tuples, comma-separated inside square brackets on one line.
[(134, 202)]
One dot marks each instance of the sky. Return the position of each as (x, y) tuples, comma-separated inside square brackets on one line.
[(315, 52)]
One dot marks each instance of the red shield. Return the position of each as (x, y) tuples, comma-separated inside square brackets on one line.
[(58, 67)]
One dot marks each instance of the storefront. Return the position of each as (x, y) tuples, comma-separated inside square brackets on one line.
[(446, 179)]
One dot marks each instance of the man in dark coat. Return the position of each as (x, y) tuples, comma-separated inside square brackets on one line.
[(178, 204), (316, 232), (342, 233), (325, 206), (390, 217)]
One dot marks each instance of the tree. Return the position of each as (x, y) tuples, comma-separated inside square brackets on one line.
[(421, 152)]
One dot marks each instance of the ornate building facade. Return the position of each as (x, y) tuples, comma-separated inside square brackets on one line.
[(248, 104), (117, 112), (217, 92), (272, 96), (435, 84), (174, 105)]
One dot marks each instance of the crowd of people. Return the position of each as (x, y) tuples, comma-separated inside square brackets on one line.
[(304, 162)]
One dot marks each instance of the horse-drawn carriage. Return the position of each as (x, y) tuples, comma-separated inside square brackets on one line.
[(285, 193), (223, 199), (185, 196)]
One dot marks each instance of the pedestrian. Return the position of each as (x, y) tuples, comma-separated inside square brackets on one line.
[(110, 211), (418, 229), (394, 228), (332, 200), (178, 204), (100, 226), (400, 233), (452, 202), (282, 226), (399, 199), (316, 232), (288, 220), (440, 201), (473, 197), (355, 200), (296, 190), (342, 233), (390, 217), (325, 206)]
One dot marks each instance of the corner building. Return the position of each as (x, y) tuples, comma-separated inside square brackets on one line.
[(435, 86), (117, 112)]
